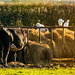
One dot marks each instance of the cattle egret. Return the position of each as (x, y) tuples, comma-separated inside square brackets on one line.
[(39, 25), (66, 24), (60, 22), (42, 29)]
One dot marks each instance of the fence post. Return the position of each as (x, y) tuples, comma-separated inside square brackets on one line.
[(74, 37), (63, 38), (39, 35), (51, 34), (27, 35), (74, 44)]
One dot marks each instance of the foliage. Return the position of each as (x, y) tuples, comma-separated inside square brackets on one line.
[(30, 14), (35, 71)]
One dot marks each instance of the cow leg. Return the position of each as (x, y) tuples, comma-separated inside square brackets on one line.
[(1, 53), (24, 55), (6, 53), (1, 57)]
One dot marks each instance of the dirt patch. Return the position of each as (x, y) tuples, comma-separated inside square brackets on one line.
[(53, 64)]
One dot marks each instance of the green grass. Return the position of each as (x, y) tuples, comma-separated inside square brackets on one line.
[(42, 71)]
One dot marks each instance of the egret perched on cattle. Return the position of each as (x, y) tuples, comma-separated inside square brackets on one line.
[(60, 22), (42, 29), (66, 24)]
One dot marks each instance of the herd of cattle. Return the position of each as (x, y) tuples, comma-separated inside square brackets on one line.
[(10, 38), (13, 39), (16, 39)]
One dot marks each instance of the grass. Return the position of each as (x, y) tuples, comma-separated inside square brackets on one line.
[(38, 71)]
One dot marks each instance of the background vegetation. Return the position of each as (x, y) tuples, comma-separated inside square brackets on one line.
[(21, 14)]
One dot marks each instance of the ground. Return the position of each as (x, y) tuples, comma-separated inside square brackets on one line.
[(64, 62), (56, 67)]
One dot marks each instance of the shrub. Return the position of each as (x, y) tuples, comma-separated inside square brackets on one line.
[(30, 14)]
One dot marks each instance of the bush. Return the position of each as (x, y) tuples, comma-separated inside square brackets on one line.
[(30, 14)]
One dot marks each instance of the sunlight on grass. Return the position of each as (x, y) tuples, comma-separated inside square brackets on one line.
[(35, 71)]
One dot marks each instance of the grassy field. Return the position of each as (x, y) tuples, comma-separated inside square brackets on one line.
[(38, 71)]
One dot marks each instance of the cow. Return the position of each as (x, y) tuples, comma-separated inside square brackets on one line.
[(15, 36)]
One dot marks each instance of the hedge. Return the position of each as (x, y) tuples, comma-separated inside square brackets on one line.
[(29, 14)]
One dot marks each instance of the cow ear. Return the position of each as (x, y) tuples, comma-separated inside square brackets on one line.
[(25, 31), (22, 31)]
